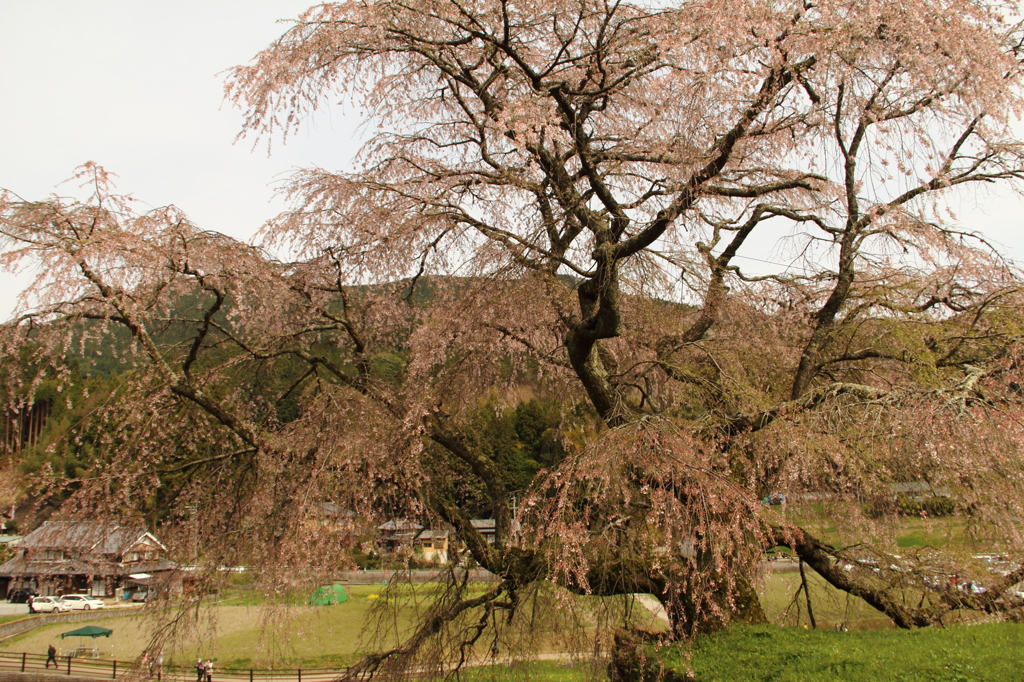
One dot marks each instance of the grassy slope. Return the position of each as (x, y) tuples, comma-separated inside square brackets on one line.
[(300, 636), (234, 635), (762, 654), (238, 633), (831, 606), (544, 671)]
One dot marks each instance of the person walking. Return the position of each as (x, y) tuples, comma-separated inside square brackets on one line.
[(209, 670), (51, 655), (200, 670), (159, 664)]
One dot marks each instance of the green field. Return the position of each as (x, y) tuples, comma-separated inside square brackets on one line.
[(831, 607), (545, 671), (240, 631), (982, 653), (237, 632), (900, 535)]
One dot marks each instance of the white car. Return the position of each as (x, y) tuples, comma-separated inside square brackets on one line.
[(82, 602), (48, 605)]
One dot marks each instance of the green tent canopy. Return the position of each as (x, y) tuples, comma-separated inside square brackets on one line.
[(90, 631), (328, 595)]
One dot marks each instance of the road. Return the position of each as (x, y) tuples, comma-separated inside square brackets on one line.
[(13, 609)]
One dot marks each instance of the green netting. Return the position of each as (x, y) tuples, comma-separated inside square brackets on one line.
[(88, 631), (328, 595)]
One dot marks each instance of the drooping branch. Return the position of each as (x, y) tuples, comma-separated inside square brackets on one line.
[(399, 658), (823, 560)]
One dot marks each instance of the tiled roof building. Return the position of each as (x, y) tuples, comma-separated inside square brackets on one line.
[(78, 556)]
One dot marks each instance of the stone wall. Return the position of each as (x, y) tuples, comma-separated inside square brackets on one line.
[(16, 627)]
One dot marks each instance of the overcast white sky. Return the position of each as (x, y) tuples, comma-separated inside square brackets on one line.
[(134, 86)]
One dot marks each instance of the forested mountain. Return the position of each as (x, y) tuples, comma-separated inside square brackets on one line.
[(521, 437)]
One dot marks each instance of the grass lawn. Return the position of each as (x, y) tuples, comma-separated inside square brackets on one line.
[(944, 532), (905, 533), (238, 632), (831, 606), (547, 671), (989, 653), (235, 636)]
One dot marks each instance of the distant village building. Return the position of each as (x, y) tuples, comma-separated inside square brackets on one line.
[(338, 523), (335, 518), (433, 545), (396, 534), (399, 536), (101, 558), (487, 528), (920, 490)]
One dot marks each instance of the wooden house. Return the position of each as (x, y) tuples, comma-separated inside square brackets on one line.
[(101, 558)]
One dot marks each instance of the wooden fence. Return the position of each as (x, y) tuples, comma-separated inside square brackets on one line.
[(106, 669)]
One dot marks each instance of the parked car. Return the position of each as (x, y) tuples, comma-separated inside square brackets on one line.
[(82, 602), (140, 595), (48, 605), (20, 595)]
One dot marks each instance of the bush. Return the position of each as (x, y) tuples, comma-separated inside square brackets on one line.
[(939, 506), (932, 506)]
